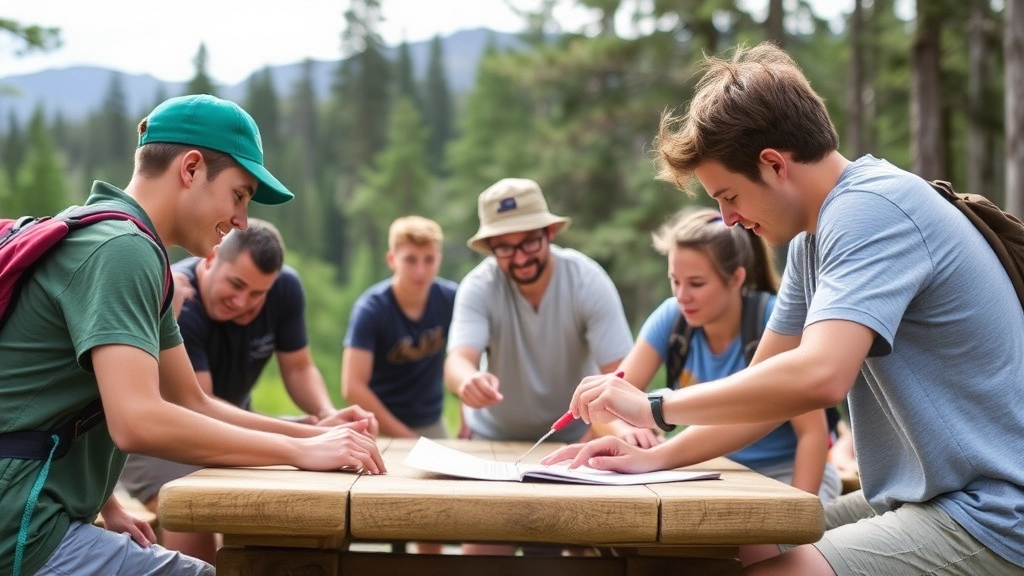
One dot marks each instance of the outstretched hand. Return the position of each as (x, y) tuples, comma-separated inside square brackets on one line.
[(607, 397), (605, 453), (480, 390)]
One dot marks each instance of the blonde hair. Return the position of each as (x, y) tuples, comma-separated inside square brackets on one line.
[(726, 247), (415, 230), (759, 99)]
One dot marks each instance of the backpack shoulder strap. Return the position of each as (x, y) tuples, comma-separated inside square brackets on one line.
[(755, 304), (1003, 231), (678, 348), (31, 238), (82, 216)]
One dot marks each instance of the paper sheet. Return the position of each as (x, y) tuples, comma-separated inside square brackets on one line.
[(433, 457)]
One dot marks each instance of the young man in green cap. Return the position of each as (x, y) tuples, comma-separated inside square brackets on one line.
[(89, 324)]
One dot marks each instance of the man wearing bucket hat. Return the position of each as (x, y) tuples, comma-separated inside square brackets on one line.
[(89, 329), (546, 316)]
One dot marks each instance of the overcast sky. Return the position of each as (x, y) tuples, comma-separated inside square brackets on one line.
[(242, 36)]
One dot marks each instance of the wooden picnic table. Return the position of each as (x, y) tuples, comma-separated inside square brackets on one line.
[(279, 519)]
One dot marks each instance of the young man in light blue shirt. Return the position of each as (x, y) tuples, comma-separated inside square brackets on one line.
[(884, 279)]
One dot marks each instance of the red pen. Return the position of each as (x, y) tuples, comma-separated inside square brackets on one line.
[(558, 425)]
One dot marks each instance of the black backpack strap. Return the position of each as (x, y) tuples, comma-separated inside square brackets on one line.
[(36, 444), (678, 348), (755, 304)]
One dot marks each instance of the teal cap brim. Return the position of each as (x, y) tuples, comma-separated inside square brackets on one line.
[(270, 190)]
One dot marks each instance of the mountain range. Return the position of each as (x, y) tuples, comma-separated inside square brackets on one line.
[(77, 91)]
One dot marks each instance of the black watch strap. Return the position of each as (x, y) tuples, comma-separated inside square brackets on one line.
[(659, 413)]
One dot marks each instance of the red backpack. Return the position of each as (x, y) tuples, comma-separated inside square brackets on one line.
[(24, 242)]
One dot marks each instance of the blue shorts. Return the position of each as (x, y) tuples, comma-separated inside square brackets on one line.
[(88, 549)]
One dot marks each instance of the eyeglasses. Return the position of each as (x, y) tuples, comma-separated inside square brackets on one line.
[(529, 246)]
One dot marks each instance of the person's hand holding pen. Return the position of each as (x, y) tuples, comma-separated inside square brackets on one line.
[(608, 397), (480, 390)]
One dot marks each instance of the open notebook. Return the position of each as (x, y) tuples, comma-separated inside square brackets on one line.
[(433, 457)]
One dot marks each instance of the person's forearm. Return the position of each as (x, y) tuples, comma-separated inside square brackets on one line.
[(811, 431), (699, 444), (389, 424), (309, 392), (809, 464), (457, 370), (175, 433), (231, 414), (774, 390)]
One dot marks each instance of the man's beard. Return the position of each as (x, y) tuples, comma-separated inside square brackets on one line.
[(539, 265)]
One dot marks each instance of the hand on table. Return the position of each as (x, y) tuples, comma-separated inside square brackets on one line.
[(341, 447), (605, 453)]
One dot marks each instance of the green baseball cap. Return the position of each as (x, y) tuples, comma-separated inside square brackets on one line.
[(210, 122)]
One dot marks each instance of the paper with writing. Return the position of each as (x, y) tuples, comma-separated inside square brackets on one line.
[(433, 457)]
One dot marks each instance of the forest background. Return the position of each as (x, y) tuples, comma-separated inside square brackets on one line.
[(933, 86)]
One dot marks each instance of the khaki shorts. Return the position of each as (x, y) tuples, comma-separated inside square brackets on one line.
[(914, 539), (143, 476), (437, 430)]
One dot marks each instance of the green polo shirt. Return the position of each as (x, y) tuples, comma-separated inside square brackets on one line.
[(102, 285)]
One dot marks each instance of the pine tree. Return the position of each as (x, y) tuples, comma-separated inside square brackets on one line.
[(6, 196), (201, 83), (359, 116), (397, 185), (304, 158), (439, 113), (117, 138), (40, 188), (14, 146), (405, 79), (263, 105)]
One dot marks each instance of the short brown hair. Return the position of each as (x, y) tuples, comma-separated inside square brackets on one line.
[(152, 160), (727, 248), (759, 99), (261, 240), (415, 230)]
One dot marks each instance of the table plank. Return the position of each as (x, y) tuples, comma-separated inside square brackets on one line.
[(274, 500), (743, 507)]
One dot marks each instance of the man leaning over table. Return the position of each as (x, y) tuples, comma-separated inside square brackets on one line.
[(244, 305), (884, 279), (545, 316), (88, 329)]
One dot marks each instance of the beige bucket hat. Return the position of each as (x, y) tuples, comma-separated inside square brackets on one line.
[(512, 205)]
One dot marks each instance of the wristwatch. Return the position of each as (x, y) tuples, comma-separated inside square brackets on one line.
[(658, 412)]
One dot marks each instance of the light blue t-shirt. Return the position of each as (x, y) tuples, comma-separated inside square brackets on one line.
[(702, 365), (539, 356), (939, 415)]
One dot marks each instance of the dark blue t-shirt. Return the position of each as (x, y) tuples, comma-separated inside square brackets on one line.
[(408, 356), (235, 355)]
